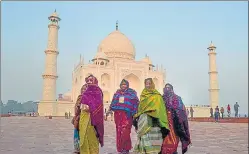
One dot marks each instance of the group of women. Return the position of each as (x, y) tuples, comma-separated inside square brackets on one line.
[(160, 121)]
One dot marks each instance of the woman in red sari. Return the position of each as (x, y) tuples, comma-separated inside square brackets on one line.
[(178, 122), (124, 104)]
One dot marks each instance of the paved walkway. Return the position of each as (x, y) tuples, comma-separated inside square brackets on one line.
[(30, 135)]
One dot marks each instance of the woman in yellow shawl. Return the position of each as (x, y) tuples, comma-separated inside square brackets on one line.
[(150, 121)]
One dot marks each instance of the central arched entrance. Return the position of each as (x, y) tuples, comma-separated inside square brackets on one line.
[(106, 97), (105, 80), (134, 82)]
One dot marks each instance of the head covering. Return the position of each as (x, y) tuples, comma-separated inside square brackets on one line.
[(93, 97), (152, 86), (130, 100), (124, 82), (91, 78), (78, 101), (168, 92), (151, 103), (83, 88), (174, 104)]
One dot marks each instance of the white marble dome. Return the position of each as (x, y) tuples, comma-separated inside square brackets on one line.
[(117, 45)]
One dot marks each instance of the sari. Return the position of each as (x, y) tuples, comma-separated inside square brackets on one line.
[(152, 122), (89, 143), (93, 98), (124, 104), (178, 122), (75, 122)]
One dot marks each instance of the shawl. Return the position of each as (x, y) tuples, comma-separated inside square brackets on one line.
[(151, 103), (93, 97), (174, 103), (130, 101)]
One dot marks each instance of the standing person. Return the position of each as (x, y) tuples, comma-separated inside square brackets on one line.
[(211, 112), (75, 121), (187, 113), (191, 112), (222, 112), (236, 109), (178, 122), (124, 104), (216, 114), (91, 126), (109, 112), (150, 121), (228, 110)]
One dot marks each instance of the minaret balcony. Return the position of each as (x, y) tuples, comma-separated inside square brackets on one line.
[(51, 52), (46, 76)]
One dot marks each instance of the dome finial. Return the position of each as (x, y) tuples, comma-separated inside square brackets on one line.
[(54, 10), (117, 25)]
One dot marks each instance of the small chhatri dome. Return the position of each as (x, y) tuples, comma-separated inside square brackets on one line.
[(100, 55), (117, 45), (54, 14), (211, 46), (147, 60)]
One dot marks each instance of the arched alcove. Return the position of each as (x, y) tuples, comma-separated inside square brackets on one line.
[(105, 80)]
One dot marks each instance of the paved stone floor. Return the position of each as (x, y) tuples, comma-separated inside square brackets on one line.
[(39, 135)]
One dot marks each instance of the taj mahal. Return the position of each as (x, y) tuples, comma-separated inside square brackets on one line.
[(115, 60)]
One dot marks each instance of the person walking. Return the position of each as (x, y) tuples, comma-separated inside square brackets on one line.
[(222, 112), (187, 113), (191, 112), (91, 124), (211, 112), (150, 121), (75, 121), (228, 110), (178, 122), (216, 114), (236, 109), (124, 104)]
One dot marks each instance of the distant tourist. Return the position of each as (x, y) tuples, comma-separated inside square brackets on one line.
[(109, 113), (75, 121), (187, 112), (91, 125), (69, 114), (222, 112), (211, 112), (245, 115), (124, 104), (216, 114), (66, 115), (236, 109), (228, 110), (150, 121), (191, 112), (178, 123)]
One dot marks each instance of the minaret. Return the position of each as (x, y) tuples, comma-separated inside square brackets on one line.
[(50, 73), (213, 77)]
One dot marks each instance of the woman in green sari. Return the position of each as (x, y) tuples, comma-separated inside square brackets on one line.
[(151, 120)]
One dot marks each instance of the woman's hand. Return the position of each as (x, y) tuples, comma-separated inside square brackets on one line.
[(85, 107)]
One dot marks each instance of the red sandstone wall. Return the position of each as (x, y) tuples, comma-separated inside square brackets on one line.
[(225, 120)]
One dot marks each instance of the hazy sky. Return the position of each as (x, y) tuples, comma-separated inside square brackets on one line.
[(175, 34)]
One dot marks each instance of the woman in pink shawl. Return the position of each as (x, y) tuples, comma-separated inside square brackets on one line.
[(92, 98)]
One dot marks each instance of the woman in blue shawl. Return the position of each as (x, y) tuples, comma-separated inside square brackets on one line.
[(124, 104)]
